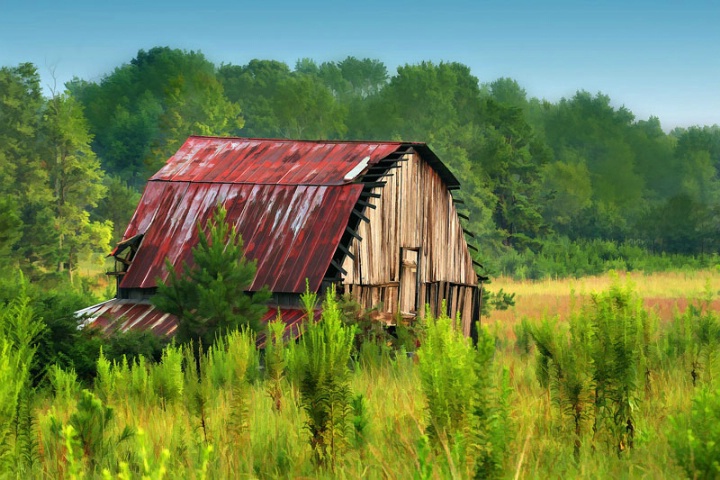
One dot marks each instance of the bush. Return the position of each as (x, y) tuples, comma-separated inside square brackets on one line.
[(523, 336), (594, 368), (562, 257), (13, 375), (325, 382), (275, 360), (91, 429), (19, 332), (134, 344), (564, 368), (695, 437), (463, 415), (693, 337), (367, 330)]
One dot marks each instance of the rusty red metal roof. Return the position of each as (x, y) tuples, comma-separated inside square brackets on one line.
[(267, 161), (290, 200), (292, 231), (123, 315)]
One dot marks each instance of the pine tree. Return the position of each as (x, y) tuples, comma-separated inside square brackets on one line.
[(209, 298)]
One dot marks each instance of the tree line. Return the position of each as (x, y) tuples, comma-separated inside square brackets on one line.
[(535, 174)]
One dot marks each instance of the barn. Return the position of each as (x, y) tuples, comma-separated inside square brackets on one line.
[(377, 219)]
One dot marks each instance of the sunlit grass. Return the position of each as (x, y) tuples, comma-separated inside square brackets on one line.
[(663, 293), (275, 444)]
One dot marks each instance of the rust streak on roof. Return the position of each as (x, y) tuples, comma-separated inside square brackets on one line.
[(283, 228)]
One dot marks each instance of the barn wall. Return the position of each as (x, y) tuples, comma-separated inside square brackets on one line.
[(415, 213)]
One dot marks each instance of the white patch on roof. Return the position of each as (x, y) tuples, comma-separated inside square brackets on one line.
[(357, 169)]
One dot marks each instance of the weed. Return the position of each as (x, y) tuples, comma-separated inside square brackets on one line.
[(523, 336), (456, 380), (694, 436), (324, 386), (90, 429), (275, 361), (360, 419)]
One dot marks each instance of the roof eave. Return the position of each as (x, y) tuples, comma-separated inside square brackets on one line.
[(429, 156)]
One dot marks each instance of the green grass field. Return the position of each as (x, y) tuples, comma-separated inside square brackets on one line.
[(237, 432)]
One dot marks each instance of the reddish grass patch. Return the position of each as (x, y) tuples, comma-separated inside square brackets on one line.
[(667, 308), (536, 306)]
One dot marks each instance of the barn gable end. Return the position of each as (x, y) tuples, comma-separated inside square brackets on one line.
[(412, 250)]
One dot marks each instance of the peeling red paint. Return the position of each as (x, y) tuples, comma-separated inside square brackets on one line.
[(292, 231)]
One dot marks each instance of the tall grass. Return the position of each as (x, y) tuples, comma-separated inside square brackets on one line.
[(555, 405), (20, 330)]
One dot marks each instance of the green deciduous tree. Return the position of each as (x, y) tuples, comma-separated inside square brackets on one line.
[(143, 111), (76, 181), (22, 180), (569, 188), (510, 158), (194, 104), (281, 103), (588, 128), (209, 297), (117, 206)]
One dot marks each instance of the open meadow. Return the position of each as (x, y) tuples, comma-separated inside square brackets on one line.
[(663, 293), (612, 388)]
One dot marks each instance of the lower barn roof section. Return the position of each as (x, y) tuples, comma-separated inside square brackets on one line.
[(292, 231), (123, 315)]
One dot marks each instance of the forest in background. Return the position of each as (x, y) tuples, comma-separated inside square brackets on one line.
[(550, 189)]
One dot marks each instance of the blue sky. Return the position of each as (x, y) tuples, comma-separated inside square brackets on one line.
[(658, 58)]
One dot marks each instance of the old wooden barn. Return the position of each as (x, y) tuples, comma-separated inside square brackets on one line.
[(377, 219)]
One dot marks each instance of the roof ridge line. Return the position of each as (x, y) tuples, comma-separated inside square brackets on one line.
[(286, 140), (274, 184)]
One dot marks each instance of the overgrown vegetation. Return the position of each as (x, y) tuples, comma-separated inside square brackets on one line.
[(573, 188), (694, 437), (325, 382), (595, 368), (608, 392), (465, 416)]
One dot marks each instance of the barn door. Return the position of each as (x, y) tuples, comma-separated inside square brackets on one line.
[(409, 281)]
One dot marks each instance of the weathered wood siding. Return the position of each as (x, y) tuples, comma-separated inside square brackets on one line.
[(415, 213)]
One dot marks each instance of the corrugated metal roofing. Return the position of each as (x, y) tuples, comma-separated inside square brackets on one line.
[(292, 231), (124, 315)]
